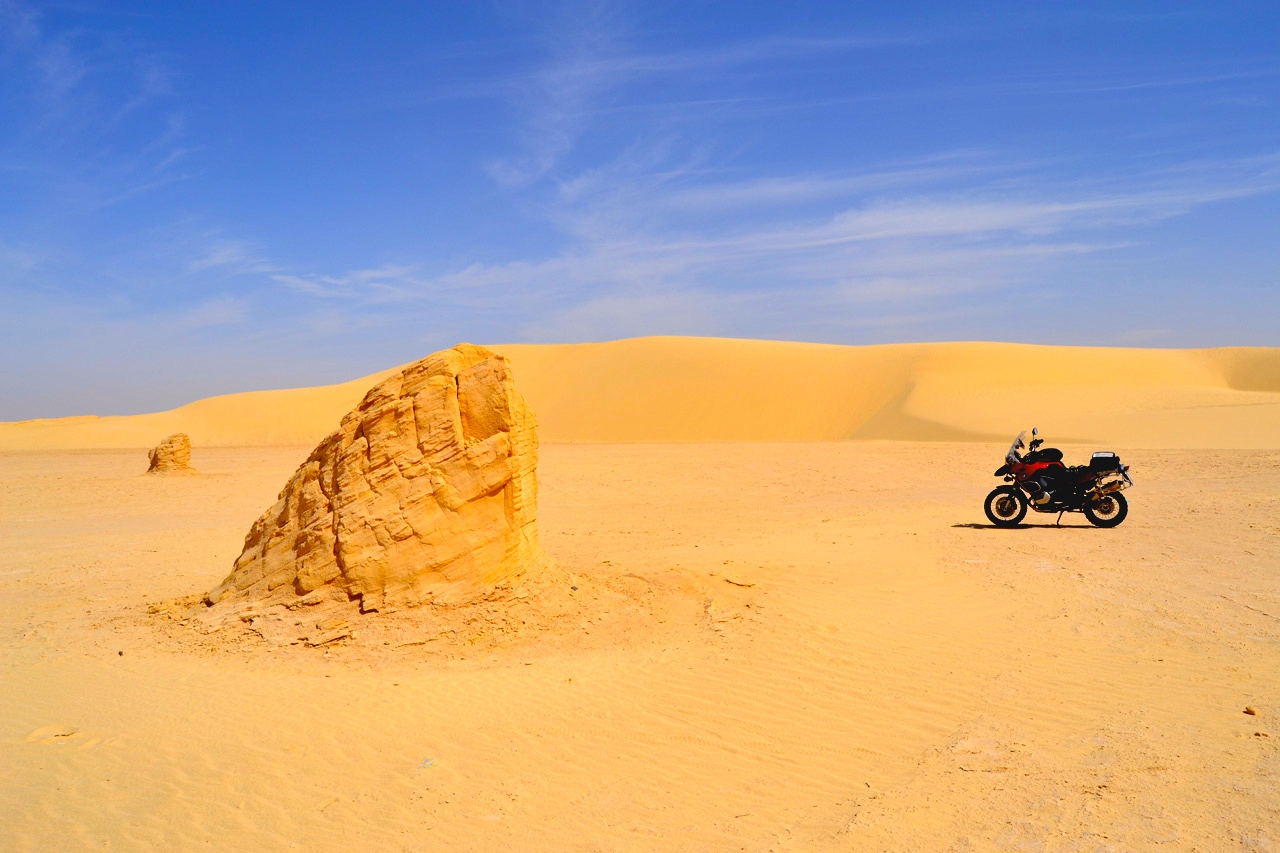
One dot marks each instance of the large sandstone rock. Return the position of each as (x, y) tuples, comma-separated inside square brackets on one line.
[(172, 456), (426, 494)]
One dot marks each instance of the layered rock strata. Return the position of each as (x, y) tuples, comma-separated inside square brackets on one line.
[(172, 456), (425, 494)]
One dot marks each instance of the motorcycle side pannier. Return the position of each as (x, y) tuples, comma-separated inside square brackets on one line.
[(1104, 461)]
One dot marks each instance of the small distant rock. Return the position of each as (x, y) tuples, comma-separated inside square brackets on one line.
[(1250, 711), (172, 456)]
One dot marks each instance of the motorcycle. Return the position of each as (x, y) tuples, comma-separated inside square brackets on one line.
[(1039, 480)]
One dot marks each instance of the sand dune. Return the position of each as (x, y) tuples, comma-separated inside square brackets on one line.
[(706, 389)]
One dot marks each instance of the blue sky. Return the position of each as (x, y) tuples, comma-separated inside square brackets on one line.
[(214, 197)]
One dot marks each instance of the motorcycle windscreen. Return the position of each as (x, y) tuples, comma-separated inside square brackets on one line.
[(1012, 456)]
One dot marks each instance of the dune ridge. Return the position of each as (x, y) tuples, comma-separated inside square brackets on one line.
[(713, 389)]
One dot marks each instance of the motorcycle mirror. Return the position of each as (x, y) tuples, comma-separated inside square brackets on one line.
[(1035, 431)]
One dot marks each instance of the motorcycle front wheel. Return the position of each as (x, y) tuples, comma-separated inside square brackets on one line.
[(1107, 511), (1006, 506)]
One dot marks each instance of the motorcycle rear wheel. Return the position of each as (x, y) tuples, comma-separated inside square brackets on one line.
[(1006, 506), (1108, 511)]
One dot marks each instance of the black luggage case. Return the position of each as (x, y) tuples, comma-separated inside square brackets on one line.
[(1104, 461)]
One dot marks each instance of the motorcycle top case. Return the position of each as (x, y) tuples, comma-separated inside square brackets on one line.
[(1104, 461)]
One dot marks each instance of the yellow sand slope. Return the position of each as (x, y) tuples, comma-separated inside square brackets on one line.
[(707, 389)]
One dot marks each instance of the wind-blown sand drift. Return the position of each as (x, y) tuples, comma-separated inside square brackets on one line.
[(702, 389)]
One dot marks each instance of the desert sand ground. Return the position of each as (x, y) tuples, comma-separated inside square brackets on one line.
[(778, 646)]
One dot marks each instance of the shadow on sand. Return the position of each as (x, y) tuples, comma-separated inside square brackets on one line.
[(973, 526)]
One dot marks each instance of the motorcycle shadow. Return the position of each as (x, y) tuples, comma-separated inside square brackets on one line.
[(1050, 525)]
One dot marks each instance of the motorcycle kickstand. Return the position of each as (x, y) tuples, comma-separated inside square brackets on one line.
[(1059, 521)]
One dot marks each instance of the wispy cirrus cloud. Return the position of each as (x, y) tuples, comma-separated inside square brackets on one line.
[(237, 256), (17, 259), (97, 119), (382, 283), (216, 311), (57, 67), (933, 232), (590, 60)]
